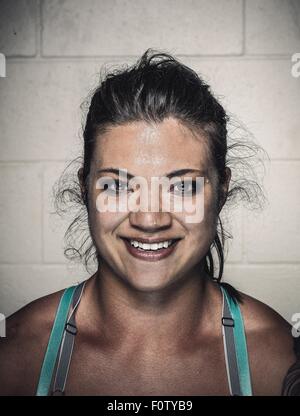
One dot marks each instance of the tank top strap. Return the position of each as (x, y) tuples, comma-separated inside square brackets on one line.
[(235, 347), (54, 342)]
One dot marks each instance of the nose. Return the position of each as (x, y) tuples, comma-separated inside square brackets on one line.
[(150, 221)]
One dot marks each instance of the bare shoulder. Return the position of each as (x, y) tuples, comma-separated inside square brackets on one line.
[(270, 346), (23, 348)]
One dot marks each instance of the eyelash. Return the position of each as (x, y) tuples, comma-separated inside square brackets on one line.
[(181, 183), (189, 183), (114, 182)]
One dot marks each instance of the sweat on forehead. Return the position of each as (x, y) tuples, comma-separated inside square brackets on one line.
[(160, 144)]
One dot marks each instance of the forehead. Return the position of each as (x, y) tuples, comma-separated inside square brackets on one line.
[(159, 146)]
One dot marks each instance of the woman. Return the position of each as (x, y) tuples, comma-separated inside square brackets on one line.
[(153, 319)]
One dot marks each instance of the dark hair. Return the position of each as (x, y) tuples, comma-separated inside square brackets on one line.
[(155, 87)]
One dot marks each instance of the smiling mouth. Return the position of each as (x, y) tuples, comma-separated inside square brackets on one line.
[(148, 245), (151, 251)]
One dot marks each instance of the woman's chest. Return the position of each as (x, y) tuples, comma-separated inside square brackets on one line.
[(93, 372)]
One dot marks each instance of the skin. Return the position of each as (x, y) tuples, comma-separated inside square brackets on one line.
[(148, 328)]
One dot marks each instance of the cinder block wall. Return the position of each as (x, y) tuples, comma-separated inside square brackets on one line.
[(54, 51)]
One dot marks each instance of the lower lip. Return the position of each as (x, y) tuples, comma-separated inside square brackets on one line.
[(150, 255)]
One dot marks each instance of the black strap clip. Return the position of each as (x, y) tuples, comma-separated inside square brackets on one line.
[(227, 321), (72, 329)]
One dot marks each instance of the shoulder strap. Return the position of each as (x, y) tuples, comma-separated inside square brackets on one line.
[(67, 345), (54, 342), (235, 347)]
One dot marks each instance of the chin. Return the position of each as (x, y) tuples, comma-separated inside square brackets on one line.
[(147, 284)]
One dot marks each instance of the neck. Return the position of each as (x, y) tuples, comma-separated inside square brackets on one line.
[(174, 314)]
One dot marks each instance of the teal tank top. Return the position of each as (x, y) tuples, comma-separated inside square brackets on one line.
[(54, 371)]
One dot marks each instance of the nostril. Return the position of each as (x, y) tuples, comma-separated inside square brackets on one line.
[(148, 221)]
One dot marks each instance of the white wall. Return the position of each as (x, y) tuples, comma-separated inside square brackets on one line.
[(54, 50)]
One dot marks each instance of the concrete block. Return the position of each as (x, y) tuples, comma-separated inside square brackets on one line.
[(272, 26), (262, 95), (93, 28), (40, 117), (18, 27), (20, 213), (22, 284), (273, 235)]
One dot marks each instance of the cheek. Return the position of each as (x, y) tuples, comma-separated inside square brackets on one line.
[(102, 226), (103, 216), (210, 205), (201, 236), (203, 233), (103, 223), (206, 219)]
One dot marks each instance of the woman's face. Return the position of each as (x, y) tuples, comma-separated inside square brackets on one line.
[(146, 151)]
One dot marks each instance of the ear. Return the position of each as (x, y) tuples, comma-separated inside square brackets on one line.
[(228, 177), (80, 175), (224, 188)]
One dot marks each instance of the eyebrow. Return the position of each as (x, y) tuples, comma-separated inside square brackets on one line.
[(169, 175)]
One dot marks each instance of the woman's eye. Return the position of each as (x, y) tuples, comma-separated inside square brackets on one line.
[(116, 186), (184, 188)]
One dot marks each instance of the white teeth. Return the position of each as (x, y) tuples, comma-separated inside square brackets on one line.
[(154, 246), (145, 246)]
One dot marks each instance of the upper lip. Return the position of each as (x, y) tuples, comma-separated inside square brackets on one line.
[(151, 240)]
